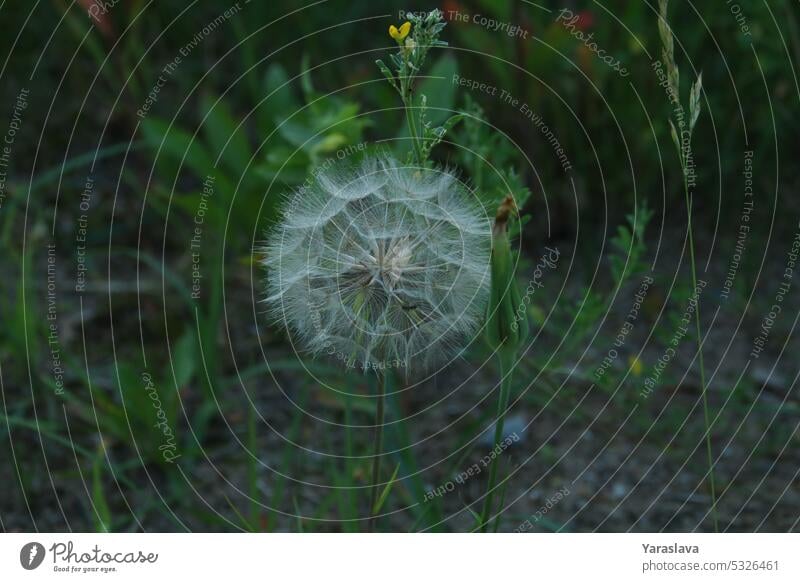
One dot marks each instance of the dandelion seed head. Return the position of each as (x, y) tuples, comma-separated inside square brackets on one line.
[(383, 265)]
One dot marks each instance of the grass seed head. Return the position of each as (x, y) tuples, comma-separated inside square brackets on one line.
[(385, 265)]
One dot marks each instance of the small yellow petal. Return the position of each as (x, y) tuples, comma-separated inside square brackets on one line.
[(393, 32), (405, 28)]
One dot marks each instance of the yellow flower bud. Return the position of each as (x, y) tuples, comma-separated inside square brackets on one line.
[(507, 322)]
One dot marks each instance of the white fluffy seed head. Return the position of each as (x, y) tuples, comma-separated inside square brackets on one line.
[(385, 265)]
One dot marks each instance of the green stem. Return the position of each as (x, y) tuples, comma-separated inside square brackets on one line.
[(703, 385), (412, 128), (377, 451), (505, 363), (408, 105)]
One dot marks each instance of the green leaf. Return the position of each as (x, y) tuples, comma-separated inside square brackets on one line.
[(278, 92), (298, 514), (386, 73), (278, 100), (442, 130), (245, 523), (291, 173), (435, 136), (329, 144), (102, 511), (475, 516), (174, 144), (227, 139), (183, 359), (305, 80), (385, 493), (439, 90), (136, 403), (214, 214), (298, 134)]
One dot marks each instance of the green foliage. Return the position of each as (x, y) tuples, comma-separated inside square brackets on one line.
[(435, 92), (293, 137), (101, 509), (492, 162), (628, 260), (298, 135), (260, 128)]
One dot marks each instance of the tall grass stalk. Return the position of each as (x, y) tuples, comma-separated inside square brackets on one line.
[(704, 386), (682, 138)]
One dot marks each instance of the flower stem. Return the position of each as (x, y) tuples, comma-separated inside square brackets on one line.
[(408, 104), (377, 451), (703, 385), (412, 128), (505, 363)]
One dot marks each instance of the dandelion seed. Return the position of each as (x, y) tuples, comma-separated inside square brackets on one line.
[(385, 265)]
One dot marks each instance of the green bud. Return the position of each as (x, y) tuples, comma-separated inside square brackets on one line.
[(507, 320)]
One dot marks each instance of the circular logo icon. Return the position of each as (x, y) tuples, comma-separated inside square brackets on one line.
[(31, 555)]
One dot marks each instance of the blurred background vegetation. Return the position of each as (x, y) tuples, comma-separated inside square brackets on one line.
[(263, 93)]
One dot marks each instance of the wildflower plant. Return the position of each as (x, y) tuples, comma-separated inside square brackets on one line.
[(384, 265), (414, 39)]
